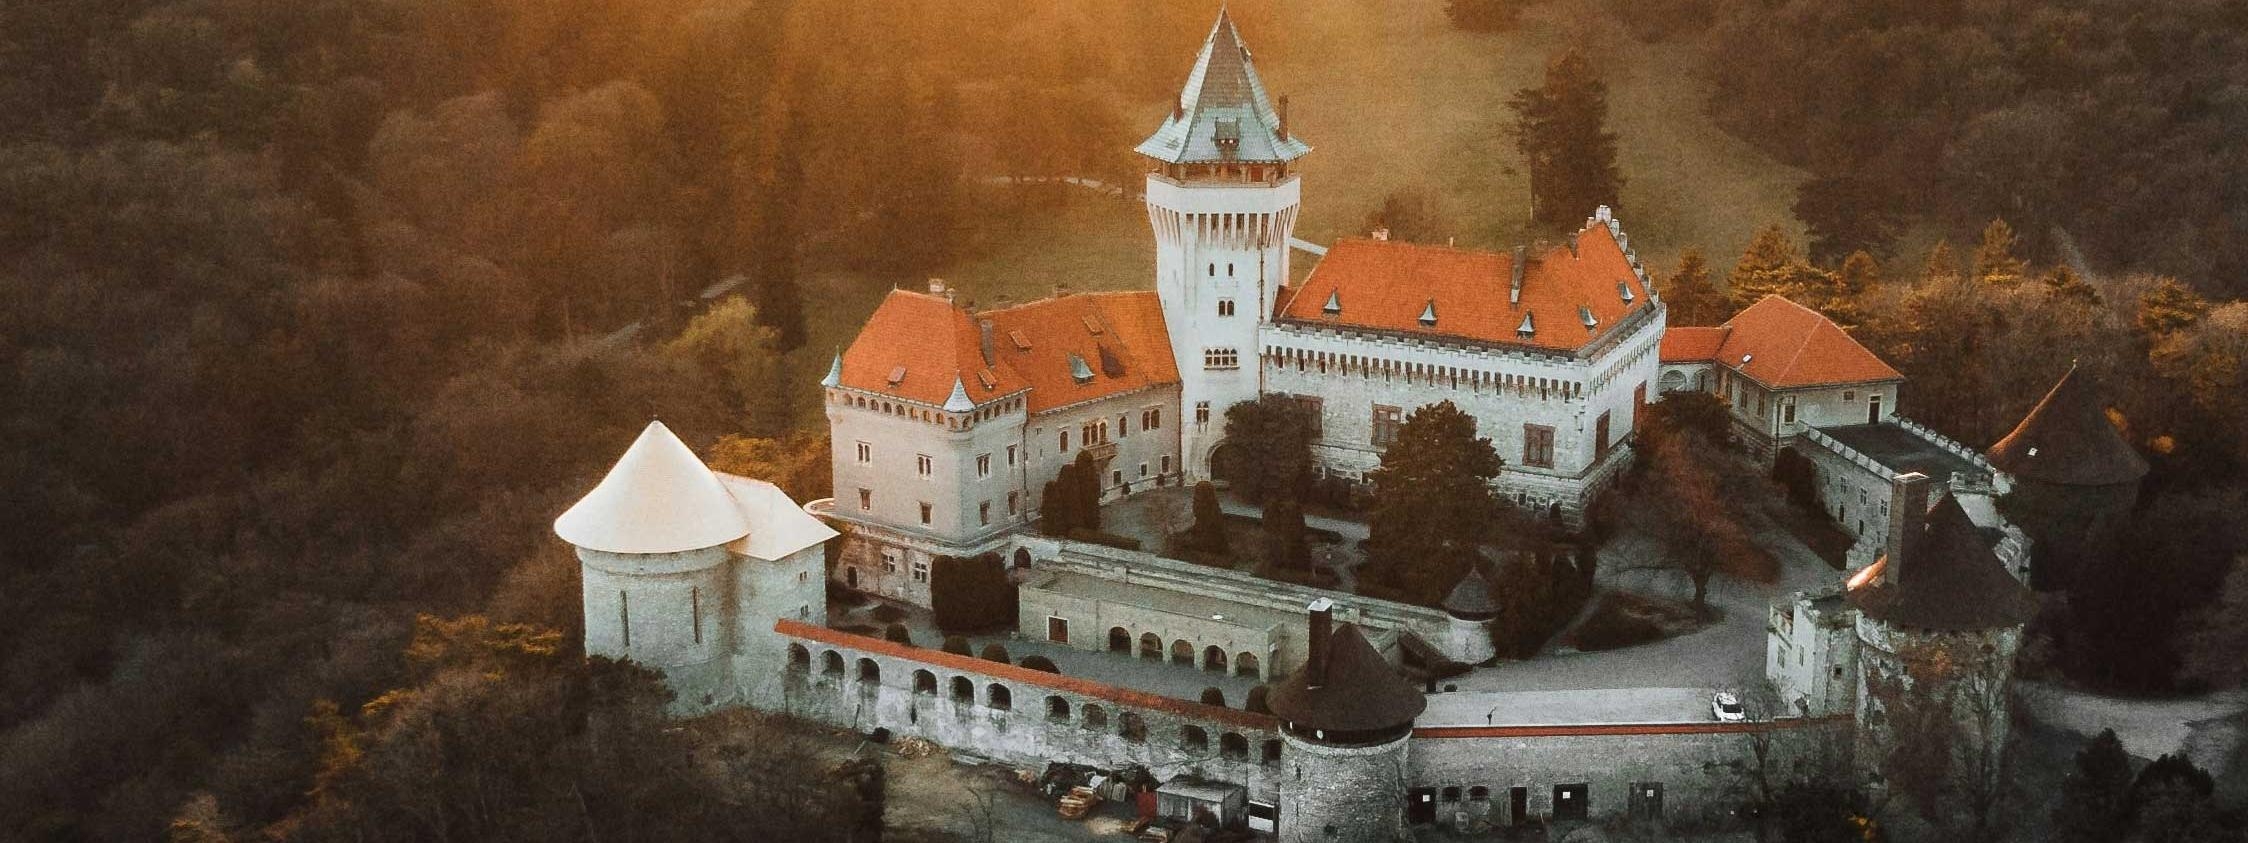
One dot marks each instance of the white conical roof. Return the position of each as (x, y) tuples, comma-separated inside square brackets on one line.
[(659, 498)]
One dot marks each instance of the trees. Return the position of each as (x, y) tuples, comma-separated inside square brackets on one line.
[(1693, 492), (1847, 213), (1284, 545), (1408, 214), (972, 594), (1995, 263), (1690, 295), (2094, 805), (1208, 535), (1270, 439), (1432, 502), (1072, 500), (1560, 129)]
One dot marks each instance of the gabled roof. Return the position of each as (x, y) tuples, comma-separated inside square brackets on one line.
[(2067, 440), (1782, 345), (658, 498), (778, 525), (1387, 285), (1222, 114), (1116, 341), (1949, 579), (1359, 692)]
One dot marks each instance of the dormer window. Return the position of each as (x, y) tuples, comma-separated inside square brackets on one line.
[(1428, 314), (1334, 305), (897, 375), (1016, 337), (1584, 314), (1092, 325), (1623, 291), (1528, 328), (1078, 371)]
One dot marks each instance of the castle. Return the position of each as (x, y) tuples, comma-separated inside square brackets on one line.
[(946, 423)]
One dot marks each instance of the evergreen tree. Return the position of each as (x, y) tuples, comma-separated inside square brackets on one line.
[(2095, 798), (776, 228), (2169, 308), (1846, 214), (1208, 534), (1772, 267), (1690, 295), (1085, 492), (1284, 545), (1432, 502), (1860, 274), (1270, 438), (1561, 130), (1942, 263), (1995, 263), (2062, 282)]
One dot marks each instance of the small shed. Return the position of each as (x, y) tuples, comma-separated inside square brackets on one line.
[(1186, 799)]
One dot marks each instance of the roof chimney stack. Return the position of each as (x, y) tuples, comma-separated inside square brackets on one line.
[(1381, 232), (1514, 289), (1283, 130), (1908, 514), (1322, 627)]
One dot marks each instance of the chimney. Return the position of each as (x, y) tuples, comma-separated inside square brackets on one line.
[(1573, 245), (1381, 232), (1061, 290), (937, 287), (1315, 657), (983, 328), (1283, 117), (1908, 511), (1514, 290)]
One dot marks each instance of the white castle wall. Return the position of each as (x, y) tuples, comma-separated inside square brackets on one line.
[(668, 611)]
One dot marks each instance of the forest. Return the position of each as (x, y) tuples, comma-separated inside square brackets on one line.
[(313, 313)]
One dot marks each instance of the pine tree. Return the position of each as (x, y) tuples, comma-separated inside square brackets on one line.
[(2168, 308), (1560, 129), (1208, 534), (1942, 263), (1690, 295), (1845, 214), (2095, 798), (1860, 274), (775, 230), (1995, 263), (1772, 267), (1432, 502), (1284, 545), (2063, 284)]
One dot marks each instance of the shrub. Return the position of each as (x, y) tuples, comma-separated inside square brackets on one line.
[(957, 645), (896, 633), (1213, 696), (1208, 533), (994, 652), (1284, 535), (972, 594), (1041, 663)]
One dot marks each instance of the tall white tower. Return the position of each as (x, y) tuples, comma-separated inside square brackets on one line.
[(1222, 193)]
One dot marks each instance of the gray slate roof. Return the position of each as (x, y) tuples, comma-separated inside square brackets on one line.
[(1222, 101)]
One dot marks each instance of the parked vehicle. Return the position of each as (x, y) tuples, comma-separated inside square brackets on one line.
[(1727, 708)]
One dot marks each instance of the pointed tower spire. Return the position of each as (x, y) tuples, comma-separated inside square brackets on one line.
[(1222, 114), (659, 498), (834, 372), (959, 402)]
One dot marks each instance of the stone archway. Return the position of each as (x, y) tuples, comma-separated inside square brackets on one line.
[(1022, 559), (1226, 461)]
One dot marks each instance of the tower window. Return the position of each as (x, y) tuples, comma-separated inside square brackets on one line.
[(1065, 440), (1537, 445), (1012, 500), (983, 513), (624, 616), (866, 453), (925, 510), (1213, 270), (866, 500), (1221, 358), (694, 601), (983, 465), (920, 570), (1225, 307), (1201, 413), (1387, 421), (1229, 270), (1011, 455), (923, 464)]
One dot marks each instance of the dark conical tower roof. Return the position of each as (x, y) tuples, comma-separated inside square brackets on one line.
[(2067, 440), (1948, 579), (1354, 691), (1472, 597), (1222, 114)]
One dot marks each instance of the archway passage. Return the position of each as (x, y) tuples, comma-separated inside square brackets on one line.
[(1672, 381), (1022, 558), (1245, 665), (1182, 652), (1213, 658), (1119, 640), (1228, 462), (1151, 646)]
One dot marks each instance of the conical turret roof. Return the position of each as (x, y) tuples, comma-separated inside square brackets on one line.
[(1472, 596), (1223, 114), (1357, 691), (2067, 440), (659, 498), (1948, 579)]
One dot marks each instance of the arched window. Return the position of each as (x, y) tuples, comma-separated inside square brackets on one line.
[(869, 671), (1182, 652), (924, 682), (831, 663), (1194, 737), (799, 659), (1151, 646), (999, 698), (1245, 664), (963, 690), (1233, 745), (1213, 658), (1057, 709), (1129, 725), (1119, 640), (1094, 717)]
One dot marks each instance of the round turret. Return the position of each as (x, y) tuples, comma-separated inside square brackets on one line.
[(1346, 717), (1471, 609), (2075, 480)]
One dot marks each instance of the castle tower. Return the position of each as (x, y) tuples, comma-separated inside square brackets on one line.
[(2075, 481), (1346, 718), (1471, 609), (1222, 193), (684, 570), (1939, 622)]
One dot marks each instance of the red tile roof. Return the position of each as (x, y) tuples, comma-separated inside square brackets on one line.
[(935, 342), (1780, 344), (1024, 675), (1386, 284)]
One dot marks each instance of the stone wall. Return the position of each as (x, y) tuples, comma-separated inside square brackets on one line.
[(1017, 716), (1334, 793)]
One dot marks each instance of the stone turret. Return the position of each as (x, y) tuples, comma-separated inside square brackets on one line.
[(1471, 609), (2075, 480), (1346, 717)]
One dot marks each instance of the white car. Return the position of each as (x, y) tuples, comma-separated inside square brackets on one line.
[(1727, 708)]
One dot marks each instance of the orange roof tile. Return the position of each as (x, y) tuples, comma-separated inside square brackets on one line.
[(1387, 285), (1693, 345), (1027, 676), (935, 342), (1782, 345)]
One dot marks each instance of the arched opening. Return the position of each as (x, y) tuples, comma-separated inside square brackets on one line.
[(1094, 717), (1151, 646), (1131, 727), (831, 663), (924, 682), (1119, 640), (963, 690), (1233, 745), (1672, 381), (869, 672), (1272, 752), (799, 659), (1182, 652), (1245, 665), (1194, 737), (1057, 709), (1213, 658), (1479, 793), (1228, 462), (1022, 559), (999, 698)]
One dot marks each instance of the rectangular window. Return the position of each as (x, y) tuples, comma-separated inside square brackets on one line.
[(1225, 307), (920, 570), (923, 464), (1013, 499), (1065, 440), (1387, 421), (1600, 438), (866, 453), (1221, 358), (983, 513), (1849, 395), (1151, 419), (889, 561), (1116, 478), (1143, 469), (1201, 413), (1166, 463), (1011, 454), (1057, 630), (1316, 409), (803, 613), (1537, 445), (983, 466), (1787, 410), (1121, 426), (925, 510), (866, 500)]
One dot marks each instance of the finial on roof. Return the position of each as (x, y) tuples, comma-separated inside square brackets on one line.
[(958, 402), (834, 371)]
